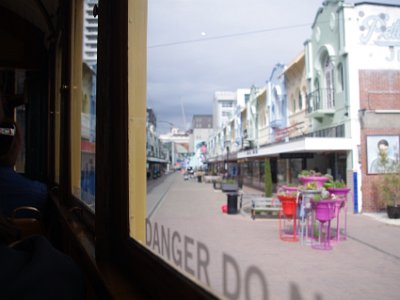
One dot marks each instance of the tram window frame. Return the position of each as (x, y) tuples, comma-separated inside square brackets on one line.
[(121, 133), (64, 127)]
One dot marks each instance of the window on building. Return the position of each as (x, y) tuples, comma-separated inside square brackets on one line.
[(340, 80), (293, 101), (316, 96), (246, 98), (300, 100), (329, 73), (227, 104)]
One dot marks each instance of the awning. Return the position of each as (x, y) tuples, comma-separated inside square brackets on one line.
[(156, 160), (308, 144)]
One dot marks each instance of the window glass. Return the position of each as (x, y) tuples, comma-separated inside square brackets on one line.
[(329, 83), (57, 114), (300, 99), (20, 120), (20, 117), (12, 92), (185, 222), (83, 104), (262, 171), (340, 77), (293, 104)]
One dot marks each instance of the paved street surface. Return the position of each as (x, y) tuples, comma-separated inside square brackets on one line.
[(241, 258)]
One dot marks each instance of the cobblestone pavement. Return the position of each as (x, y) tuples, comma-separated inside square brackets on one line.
[(241, 258)]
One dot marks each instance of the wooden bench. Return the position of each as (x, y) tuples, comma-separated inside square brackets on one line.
[(264, 204)]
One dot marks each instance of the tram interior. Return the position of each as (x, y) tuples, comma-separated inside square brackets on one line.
[(39, 59)]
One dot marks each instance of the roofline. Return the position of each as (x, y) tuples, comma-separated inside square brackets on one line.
[(320, 10), (377, 4)]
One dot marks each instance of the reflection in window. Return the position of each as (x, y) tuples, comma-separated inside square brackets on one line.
[(88, 121), (88, 105)]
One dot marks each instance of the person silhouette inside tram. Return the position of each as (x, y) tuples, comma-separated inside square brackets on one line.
[(16, 190), (31, 268)]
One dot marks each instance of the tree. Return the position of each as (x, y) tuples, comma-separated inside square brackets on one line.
[(267, 178)]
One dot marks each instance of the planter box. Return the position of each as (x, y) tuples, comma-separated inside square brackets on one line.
[(211, 178), (339, 191), (229, 187), (319, 180), (325, 210), (290, 189), (289, 205), (393, 212)]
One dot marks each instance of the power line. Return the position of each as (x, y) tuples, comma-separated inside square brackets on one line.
[(220, 37)]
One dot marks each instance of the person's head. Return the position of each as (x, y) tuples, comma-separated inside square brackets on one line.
[(10, 143), (383, 146)]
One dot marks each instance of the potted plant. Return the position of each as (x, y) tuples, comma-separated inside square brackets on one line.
[(288, 213), (337, 187), (310, 189), (308, 192), (307, 176), (325, 207), (290, 187), (288, 202), (390, 191), (229, 185)]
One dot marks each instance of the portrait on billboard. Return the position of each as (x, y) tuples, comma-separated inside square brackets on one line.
[(382, 153)]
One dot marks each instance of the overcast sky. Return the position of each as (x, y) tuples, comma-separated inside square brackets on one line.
[(197, 47)]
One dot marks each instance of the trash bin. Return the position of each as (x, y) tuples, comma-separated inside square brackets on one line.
[(232, 203), (199, 178)]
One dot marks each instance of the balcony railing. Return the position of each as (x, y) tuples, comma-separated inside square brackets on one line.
[(321, 102)]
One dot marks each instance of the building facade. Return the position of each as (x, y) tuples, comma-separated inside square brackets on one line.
[(202, 129), (329, 108), (353, 67)]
